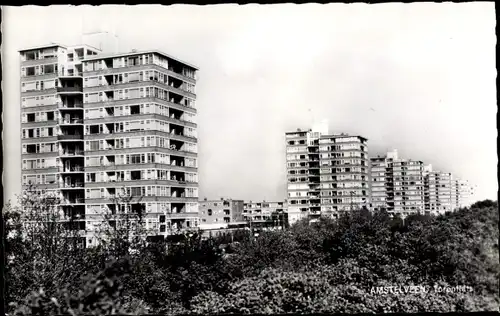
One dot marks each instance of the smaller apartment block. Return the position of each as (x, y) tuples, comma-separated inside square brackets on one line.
[(266, 214), (220, 211), (444, 193), (397, 185)]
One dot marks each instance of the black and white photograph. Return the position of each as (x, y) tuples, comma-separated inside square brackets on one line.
[(182, 159)]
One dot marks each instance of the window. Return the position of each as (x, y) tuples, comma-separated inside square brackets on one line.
[(30, 71), (135, 191), (209, 212), (135, 175), (135, 109)]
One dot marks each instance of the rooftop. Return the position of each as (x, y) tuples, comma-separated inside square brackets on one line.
[(42, 46), (84, 45), (342, 136), (114, 55)]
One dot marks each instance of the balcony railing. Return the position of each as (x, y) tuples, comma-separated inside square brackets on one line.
[(71, 169), (76, 105), (67, 74), (71, 185), (72, 153)]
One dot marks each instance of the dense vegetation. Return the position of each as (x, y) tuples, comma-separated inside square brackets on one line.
[(328, 266)]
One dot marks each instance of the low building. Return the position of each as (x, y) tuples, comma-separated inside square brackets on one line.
[(221, 211), (266, 214)]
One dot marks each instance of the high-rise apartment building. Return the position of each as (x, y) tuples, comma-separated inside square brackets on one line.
[(303, 172), (397, 185), (326, 174), (344, 172), (97, 126)]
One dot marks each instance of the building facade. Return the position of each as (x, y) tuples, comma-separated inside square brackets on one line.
[(52, 124), (345, 182), (326, 174), (97, 127), (221, 211), (397, 185)]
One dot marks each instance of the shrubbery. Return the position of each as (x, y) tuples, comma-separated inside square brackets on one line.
[(328, 266)]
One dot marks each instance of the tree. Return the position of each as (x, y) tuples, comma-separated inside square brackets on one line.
[(41, 244), (121, 228)]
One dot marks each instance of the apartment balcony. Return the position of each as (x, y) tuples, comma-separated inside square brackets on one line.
[(75, 89), (41, 60), (75, 105), (67, 201), (71, 121)]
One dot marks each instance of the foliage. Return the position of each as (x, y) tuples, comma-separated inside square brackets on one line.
[(327, 266), (101, 295)]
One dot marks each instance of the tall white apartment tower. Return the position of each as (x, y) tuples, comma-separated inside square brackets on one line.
[(326, 174), (303, 168), (96, 125)]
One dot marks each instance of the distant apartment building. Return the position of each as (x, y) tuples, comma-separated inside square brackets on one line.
[(464, 193), (439, 191), (221, 211), (397, 185), (270, 214), (326, 174), (95, 126)]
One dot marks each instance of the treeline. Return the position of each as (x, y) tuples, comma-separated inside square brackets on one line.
[(327, 266)]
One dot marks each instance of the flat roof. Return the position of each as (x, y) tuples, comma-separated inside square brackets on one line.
[(219, 200), (253, 202), (114, 55), (84, 45), (42, 46), (341, 136)]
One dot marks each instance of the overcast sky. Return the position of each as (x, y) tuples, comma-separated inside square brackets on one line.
[(416, 77)]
